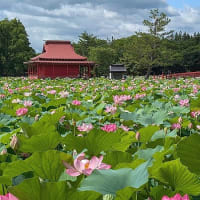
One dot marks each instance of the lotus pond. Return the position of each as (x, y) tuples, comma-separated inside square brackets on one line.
[(73, 139)]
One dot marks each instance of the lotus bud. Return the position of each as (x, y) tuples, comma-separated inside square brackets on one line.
[(190, 125), (53, 112), (198, 127), (74, 154), (14, 142), (3, 152), (108, 197), (62, 119), (74, 122), (180, 120), (37, 117), (165, 130), (137, 136)]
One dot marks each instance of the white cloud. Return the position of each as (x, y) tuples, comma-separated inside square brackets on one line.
[(67, 19), (187, 20)]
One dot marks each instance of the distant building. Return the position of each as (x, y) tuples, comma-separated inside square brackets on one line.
[(117, 71), (58, 59)]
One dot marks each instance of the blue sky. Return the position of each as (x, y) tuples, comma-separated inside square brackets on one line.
[(182, 3), (67, 19)]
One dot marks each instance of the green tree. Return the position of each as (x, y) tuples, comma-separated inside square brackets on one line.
[(86, 41), (140, 55), (145, 52), (120, 45), (103, 57), (157, 24), (14, 48)]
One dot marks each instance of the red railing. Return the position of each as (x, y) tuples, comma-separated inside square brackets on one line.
[(179, 75)]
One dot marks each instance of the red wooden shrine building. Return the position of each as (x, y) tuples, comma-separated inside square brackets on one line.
[(58, 59)]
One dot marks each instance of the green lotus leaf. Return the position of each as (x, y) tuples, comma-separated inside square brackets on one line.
[(110, 181), (115, 157), (148, 153), (46, 165), (98, 141), (38, 143), (178, 177), (188, 151), (32, 189)]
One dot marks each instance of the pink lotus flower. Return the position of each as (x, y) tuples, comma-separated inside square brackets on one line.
[(184, 86), (143, 88), (125, 128), (195, 91), (2, 96), (8, 196), (62, 119), (120, 99), (76, 102), (111, 109), (16, 101), (109, 127), (184, 102), (64, 94), (130, 88), (81, 89), (176, 89), (139, 96), (49, 87), (3, 152), (176, 126), (10, 91), (176, 97), (195, 113), (28, 103), (198, 127), (85, 166), (52, 92), (85, 127), (115, 87), (21, 111), (27, 94), (176, 197), (73, 89)]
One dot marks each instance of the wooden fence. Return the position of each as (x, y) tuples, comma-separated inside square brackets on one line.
[(179, 75)]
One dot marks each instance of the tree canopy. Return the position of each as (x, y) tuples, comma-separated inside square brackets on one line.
[(154, 52), (14, 48), (143, 53)]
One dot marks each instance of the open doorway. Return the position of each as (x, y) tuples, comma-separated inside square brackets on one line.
[(83, 71)]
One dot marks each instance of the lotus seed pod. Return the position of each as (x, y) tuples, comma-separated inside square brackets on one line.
[(108, 197), (137, 136)]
